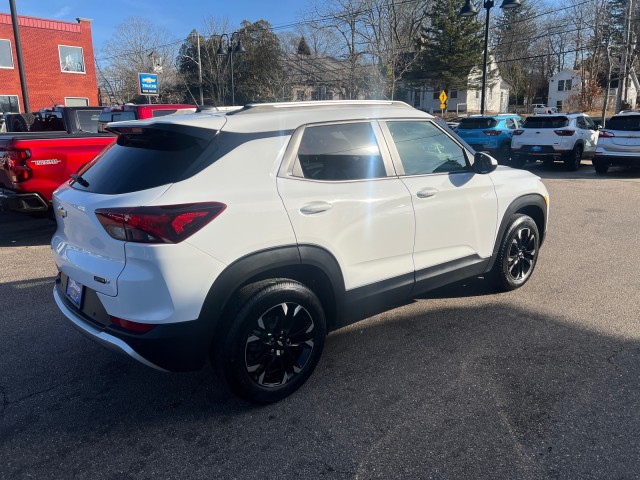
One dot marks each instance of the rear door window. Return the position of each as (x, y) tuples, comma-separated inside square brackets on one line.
[(546, 122), (88, 120), (345, 151), (477, 123), (625, 123), (146, 158)]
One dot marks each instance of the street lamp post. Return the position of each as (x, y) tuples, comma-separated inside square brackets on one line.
[(469, 10), (233, 44), (199, 67)]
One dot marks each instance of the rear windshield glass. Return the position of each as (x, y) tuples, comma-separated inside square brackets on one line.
[(546, 122), (144, 160), (477, 123), (626, 123), (88, 120), (162, 113)]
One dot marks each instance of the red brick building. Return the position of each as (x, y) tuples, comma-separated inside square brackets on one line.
[(58, 63)]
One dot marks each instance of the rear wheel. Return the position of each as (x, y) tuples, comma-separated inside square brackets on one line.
[(504, 154), (517, 255), (601, 166), (518, 161), (274, 342), (574, 160)]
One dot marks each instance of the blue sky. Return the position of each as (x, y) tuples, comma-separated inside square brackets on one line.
[(177, 16)]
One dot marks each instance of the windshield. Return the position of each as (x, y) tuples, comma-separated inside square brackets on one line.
[(546, 122)]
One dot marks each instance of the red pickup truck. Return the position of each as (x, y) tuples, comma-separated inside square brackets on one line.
[(61, 141)]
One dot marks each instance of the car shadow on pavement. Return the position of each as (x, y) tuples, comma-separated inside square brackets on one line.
[(557, 170), (20, 230), (433, 389)]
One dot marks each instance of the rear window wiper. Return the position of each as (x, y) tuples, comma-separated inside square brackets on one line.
[(78, 178)]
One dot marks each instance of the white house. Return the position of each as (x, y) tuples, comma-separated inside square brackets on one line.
[(566, 85), (426, 97)]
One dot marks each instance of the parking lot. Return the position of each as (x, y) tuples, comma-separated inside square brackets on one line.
[(542, 382)]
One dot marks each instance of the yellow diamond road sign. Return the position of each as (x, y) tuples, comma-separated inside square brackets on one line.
[(443, 97)]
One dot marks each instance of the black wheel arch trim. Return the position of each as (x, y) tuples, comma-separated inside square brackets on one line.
[(532, 200)]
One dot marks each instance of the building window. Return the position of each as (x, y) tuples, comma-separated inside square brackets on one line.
[(9, 103), (453, 94), (567, 85), (6, 59), (71, 59), (436, 94), (416, 98), (561, 85), (477, 93), (76, 101)]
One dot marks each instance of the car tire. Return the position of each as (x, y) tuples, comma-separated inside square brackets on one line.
[(504, 154), (601, 166), (518, 161), (574, 160), (274, 341), (517, 255)]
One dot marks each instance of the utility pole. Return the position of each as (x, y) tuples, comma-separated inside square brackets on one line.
[(624, 70), (199, 70), (16, 36)]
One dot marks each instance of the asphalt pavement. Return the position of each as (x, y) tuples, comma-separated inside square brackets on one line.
[(543, 382)]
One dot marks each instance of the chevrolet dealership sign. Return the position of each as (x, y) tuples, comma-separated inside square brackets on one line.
[(148, 83)]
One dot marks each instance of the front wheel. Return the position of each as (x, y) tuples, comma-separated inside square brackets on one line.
[(274, 342), (517, 255)]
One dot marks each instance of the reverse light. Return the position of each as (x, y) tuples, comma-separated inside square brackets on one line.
[(564, 133), (491, 133), (162, 224), (131, 326), (518, 132), (605, 134)]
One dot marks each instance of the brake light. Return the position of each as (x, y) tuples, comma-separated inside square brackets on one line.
[(605, 134), (518, 132), (15, 160), (564, 133), (131, 326), (491, 133), (162, 224)]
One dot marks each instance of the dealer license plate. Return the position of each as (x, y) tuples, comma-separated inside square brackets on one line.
[(537, 148), (74, 292)]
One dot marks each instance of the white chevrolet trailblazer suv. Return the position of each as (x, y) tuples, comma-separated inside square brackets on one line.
[(565, 137), (245, 237)]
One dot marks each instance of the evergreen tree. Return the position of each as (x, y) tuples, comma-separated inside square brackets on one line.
[(452, 47), (303, 48)]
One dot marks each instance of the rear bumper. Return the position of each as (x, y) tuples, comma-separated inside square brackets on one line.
[(176, 347), (547, 153), (22, 202), (627, 160)]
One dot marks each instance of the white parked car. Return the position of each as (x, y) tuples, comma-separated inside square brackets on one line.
[(618, 142), (542, 108), (245, 237), (561, 137)]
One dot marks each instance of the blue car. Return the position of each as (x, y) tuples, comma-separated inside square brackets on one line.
[(490, 133)]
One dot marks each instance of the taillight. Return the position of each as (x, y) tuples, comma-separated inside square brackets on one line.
[(15, 161), (605, 134), (132, 326), (518, 132), (163, 224), (491, 133), (564, 133)]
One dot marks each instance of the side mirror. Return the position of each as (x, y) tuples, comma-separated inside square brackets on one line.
[(484, 163)]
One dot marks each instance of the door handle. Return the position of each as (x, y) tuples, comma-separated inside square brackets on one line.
[(314, 208), (427, 192)]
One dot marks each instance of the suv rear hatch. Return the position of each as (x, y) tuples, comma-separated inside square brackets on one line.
[(133, 172), (474, 129), (621, 134), (544, 134)]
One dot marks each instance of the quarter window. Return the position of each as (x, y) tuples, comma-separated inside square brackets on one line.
[(6, 58), (424, 148), (340, 152), (71, 59)]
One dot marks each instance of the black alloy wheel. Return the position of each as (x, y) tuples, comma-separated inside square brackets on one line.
[(280, 344), (504, 154), (601, 166), (574, 160), (517, 255), (274, 341)]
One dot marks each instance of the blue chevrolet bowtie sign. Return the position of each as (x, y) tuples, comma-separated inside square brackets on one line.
[(148, 83)]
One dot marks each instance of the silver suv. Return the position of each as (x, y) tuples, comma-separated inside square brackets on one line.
[(618, 142), (561, 137), (245, 237)]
